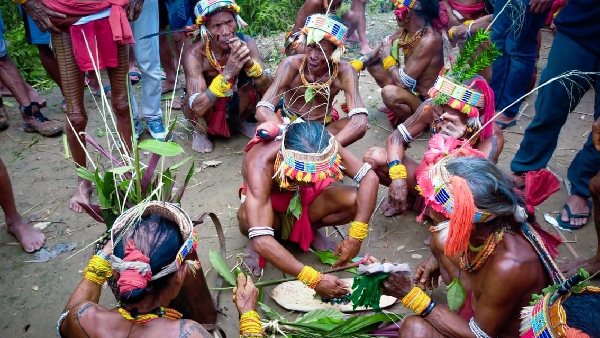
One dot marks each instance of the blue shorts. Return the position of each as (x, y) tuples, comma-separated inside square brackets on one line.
[(2, 41), (175, 13), (33, 34)]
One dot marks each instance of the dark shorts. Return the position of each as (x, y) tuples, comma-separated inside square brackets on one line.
[(175, 13), (33, 35)]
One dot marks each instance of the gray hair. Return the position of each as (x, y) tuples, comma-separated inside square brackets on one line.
[(492, 190)]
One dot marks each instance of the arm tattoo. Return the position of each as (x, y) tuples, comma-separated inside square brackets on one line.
[(278, 77), (396, 138), (212, 98), (355, 92), (190, 328), (78, 315)]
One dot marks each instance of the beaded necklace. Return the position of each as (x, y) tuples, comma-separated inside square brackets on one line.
[(159, 312), (212, 59), (406, 44), (472, 264), (317, 85)]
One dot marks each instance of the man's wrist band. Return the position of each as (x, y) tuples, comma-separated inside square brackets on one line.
[(250, 325), (98, 270), (389, 62), (393, 163), (358, 230), (398, 172), (255, 70), (266, 104), (220, 86), (192, 98), (309, 276), (428, 309), (417, 300)]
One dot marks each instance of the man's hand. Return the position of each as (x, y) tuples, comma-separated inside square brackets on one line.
[(539, 6), (40, 14), (427, 275), (397, 285), (596, 133), (397, 195), (332, 287), (133, 9), (245, 294), (240, 55), (459, 36), (108, 248), (347, 249), (386, 47), (451, 126)]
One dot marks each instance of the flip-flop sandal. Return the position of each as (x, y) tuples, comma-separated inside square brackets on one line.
[(567, 225), (504, 125), (86, 81), (135, 74), (106, 92)]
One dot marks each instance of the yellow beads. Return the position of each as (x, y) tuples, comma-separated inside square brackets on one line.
[(255, 70), (358, 230), (310, 276), (219, 86), (388, 62), (416, 300), (97, 270), (250, 324), (398, 172), (357, 64)]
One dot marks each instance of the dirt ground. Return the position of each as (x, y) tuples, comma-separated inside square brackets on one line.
[(43, 180)]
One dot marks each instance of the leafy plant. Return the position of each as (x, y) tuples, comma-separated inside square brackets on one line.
[(325, 323), (267, 17)]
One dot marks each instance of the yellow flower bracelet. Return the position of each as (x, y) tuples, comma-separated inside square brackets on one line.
[(310, 276), (358, 230), (389, 62), (398, 172), (98, 270), (219, 86)]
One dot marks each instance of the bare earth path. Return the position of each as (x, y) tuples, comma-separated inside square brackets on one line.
[(34, 294)]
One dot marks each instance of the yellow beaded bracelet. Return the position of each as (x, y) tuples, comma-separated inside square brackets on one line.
[(416, 300), (358, 230), (250, 324), (468, 22), (388, 62), (451, 32), (310, 276), (357, 64), (398, 172), (255, 70), (219, 86), (98, 270)]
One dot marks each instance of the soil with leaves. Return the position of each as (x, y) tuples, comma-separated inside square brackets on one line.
[(43, 181)]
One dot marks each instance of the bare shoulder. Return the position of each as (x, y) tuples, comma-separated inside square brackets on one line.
[(191, 329), (433, 40)]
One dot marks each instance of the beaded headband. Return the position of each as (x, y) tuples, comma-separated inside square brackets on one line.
[(311, 167), (319, 27), (459, 94), (205, 8), (405, 3), (170, 211), (548, 319)]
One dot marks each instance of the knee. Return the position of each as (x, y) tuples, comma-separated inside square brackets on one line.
[(120, 106), (376, 157), (410, 326), (389, 93), (78, 120)]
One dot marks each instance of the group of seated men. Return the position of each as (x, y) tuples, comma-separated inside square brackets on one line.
[(484, 235)]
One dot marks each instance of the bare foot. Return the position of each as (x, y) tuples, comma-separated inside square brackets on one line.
[(382, 108), (201, 143), (247, 129), (82, 195), (591, 265), (365, 49), (505, 119), (578, 205), (322, 242), (251, 261), (388, 210), (169, 86), (519, 181), (31, 239), (176, 103)]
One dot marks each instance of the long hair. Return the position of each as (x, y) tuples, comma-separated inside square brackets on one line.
[(306, 137)]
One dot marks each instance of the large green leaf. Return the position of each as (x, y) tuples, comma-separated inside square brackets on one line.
[(456, 294), (295, 207), (309, 95), (270, 313), (85, 174), (316, 315), (326, 256), (180, 163), (362, 324), (221, 267), (161, 148), (394, 50)]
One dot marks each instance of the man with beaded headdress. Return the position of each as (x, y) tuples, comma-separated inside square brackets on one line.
[(288, 173), (458, 112), (305, 85), (486, 247), (223, 74), (409, 60), (146, 260)]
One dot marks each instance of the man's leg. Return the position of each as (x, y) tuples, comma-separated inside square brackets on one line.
[(591, 264), (50, 63), (356, 20), (515, 31), (72, 79), (248, 97), (148, 60), (585, 165), (554, 103), (119, 80), (401, 102), (417, 327), (31, 239)]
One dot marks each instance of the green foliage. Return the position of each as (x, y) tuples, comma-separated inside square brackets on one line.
[(460, 68), (456, 294), (267, 17), (366, 291), (25, 56), (221, 267)]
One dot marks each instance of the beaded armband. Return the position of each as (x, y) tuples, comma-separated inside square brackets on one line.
[(265, 104), (250, 325), (191, 99), (255, 70), (310, 276), (220, 86), (260, 231), (358, 111), (398, 172), (405, 134), (417, 300), (389, 62), (362, 172), (98, 270), (407, 80), (358, 230)]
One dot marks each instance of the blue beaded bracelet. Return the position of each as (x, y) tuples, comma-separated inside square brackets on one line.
[(393, 163), (428, 309)]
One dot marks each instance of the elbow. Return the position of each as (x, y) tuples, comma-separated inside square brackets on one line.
[(260, 115), (371, 180), (260, 244), (361, 130)]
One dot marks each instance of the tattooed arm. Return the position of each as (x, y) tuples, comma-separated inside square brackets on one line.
[(191, 329), (492, 147), (195, 83), (357, 127), (415, 125), (283, 78), (264, 81), (420, 59)]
